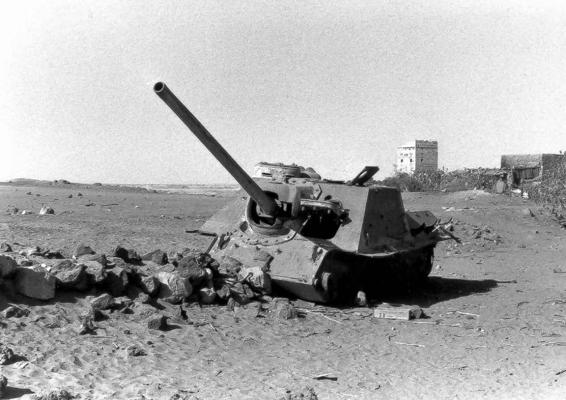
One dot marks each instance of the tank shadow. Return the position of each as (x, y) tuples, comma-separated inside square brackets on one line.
[(437, 289), (15, 393)]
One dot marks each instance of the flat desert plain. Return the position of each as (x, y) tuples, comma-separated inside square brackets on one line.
[(495, 325)]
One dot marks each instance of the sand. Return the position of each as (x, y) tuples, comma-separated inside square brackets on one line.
[(495, 307)]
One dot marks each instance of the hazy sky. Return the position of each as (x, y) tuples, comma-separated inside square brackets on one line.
[(332, 85)]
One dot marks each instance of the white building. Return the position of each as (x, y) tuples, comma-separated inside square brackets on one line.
[(417, 156)]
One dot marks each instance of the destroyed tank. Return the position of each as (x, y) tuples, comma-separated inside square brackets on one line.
[(321, 240)]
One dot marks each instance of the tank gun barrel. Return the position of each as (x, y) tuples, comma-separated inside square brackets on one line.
[(266, 203)]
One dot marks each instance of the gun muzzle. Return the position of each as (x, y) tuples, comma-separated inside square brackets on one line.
[(266, 203)]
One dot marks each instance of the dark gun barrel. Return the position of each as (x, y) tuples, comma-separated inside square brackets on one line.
[(266, 203)]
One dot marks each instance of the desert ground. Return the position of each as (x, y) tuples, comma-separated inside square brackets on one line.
[(495, 325)]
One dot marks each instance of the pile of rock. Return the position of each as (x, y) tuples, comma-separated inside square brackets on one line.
[(181, 276)]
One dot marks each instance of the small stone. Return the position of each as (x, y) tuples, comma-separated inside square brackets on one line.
[(26, 263), (135, 351), (285, 311), (81, 250), (361, 299), (86, 326), (5, 247), (143, 298), (45, 210), (158, 323), (307, 393), (6, 355), (102, 302)]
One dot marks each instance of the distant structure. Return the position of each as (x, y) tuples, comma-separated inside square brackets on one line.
[(528, 167), (417, 156)]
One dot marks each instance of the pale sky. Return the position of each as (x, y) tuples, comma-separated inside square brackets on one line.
[(332, 85)]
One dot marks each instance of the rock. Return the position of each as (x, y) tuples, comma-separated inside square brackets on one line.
[(361, 299), (116, 280), (26, 212), (102, 302), (99, 258), (6, 355), (53, 254), (3, 385), (241, 293), (159, 323), (135, 351), (45, 210), (95, 272), (26, 263), (70, 275), (256, 278), (122, 302), (128, 255), (35, 282), (143, 298), (8, 266), (31, 251), (173, 285), (190, 267), (150, 285), (5, 247), (15, 311), (223, 292), (157, 256), (207, 295), (87, 326), (285, 311), (53, 395), (12, 210), (230, 266), (96, 315), (81, 250)]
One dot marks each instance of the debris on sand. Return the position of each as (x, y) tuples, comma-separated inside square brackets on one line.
[(307, 393), (45, 210), (388, 311), (158, 323), (135, 351), (54, 395)]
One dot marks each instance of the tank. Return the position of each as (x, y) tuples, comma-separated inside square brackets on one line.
[(321, 240)]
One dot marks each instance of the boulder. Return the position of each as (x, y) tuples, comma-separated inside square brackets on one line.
[(35, 282), (230, 266), (157, 256), (7, 266), (128, 255), (173, 287), (190, 267), (81, 250), (256, 278), (70, 275), (102, 302), (116, 280), (100, 258), (95, 272), (241, 293), (150, 285)]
